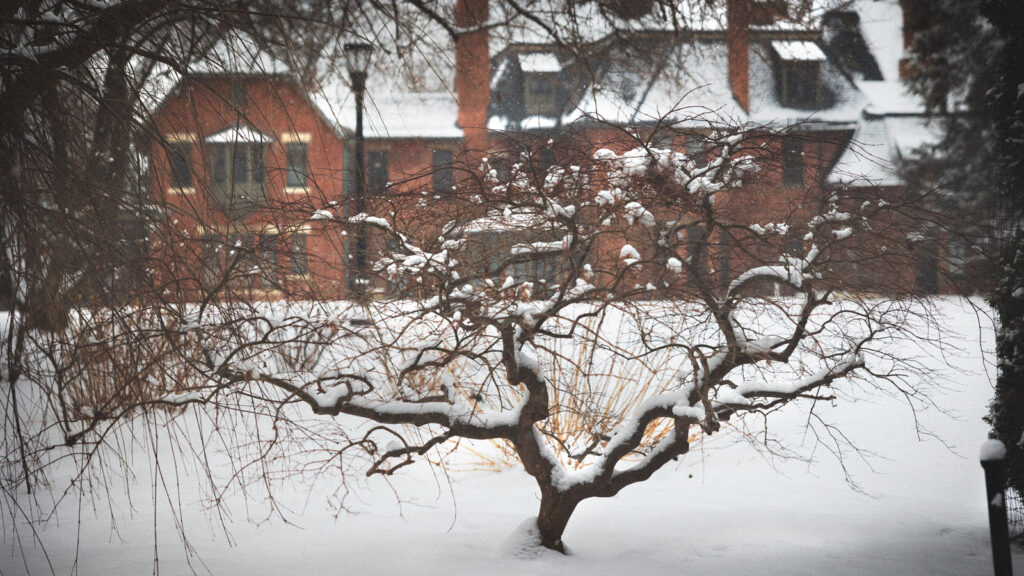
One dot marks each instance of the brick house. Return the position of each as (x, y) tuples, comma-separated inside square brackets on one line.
[(253, 168)]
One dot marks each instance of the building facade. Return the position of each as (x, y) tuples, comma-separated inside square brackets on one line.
[(256, 171)]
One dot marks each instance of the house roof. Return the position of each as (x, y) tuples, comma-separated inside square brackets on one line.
[(869, 158), (628, 91), (410, 92), (391, 114), (893, 126), (237, 53)]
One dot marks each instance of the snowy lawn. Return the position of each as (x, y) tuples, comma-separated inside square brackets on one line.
[(725, 508)]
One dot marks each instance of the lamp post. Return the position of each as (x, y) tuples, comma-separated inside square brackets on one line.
[(357, 60)]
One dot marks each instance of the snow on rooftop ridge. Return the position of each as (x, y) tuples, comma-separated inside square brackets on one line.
[(798, 50), (240, 133), (237, 53), (539, 63), (881, 25)]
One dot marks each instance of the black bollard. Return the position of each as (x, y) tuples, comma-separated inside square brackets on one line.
[(993, 453)]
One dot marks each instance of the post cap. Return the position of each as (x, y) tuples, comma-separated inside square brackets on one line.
[(992, 449)]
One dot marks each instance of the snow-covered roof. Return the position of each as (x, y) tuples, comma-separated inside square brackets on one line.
[(801, 50), (237, 53), (698, 90), (894, 125), (911, 133), (241, 133), (410, 93), (592, 22), (878, 145), (844, 102), (539, 62), (632, 92), (881, 23), (889, 97), (392, 114), (869, 159)]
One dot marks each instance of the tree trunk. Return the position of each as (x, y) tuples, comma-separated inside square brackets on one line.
[(555, 510)]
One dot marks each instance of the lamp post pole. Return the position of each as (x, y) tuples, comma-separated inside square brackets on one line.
[(358, 58)]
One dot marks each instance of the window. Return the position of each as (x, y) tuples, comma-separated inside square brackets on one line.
[(545, 158), (926, 252), (180, 156), (377, 172), (502, 167), (792, 162), (297, 166), (798, 71), (210, 269), (540, 97), (267, 249), (242, 188), (957, 257), (696, 253), (443, 173), (800, 86), (239, 256), (299, 257), (661, 141), (695, 144), (238, 95)]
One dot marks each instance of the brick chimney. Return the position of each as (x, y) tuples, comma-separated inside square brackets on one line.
[(737, 39), (472, 74), (767, 12), (917, 16)]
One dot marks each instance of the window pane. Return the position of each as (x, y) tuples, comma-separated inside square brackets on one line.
[(443, 176), (800, 84), (238, 95), (210, 263), (181, 164), (299, 256), (540, 96), (695, 144), (545, 158), (240, 171), (259, 171), (268, 260), (377, 172), (792, 162), (220, 171), (296, 164)]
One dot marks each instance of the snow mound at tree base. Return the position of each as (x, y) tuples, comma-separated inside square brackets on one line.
[(524, 543)]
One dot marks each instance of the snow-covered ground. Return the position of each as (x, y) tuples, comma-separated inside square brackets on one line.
[(724, 509)]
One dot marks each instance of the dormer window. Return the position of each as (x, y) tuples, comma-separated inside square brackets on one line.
[(540, 83), (798, 73), (239, 173)]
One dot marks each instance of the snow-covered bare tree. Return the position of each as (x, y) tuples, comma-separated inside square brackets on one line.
[(594, 316), (594, 309)]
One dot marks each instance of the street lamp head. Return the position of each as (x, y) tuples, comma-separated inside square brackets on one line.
[(357, 57)]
